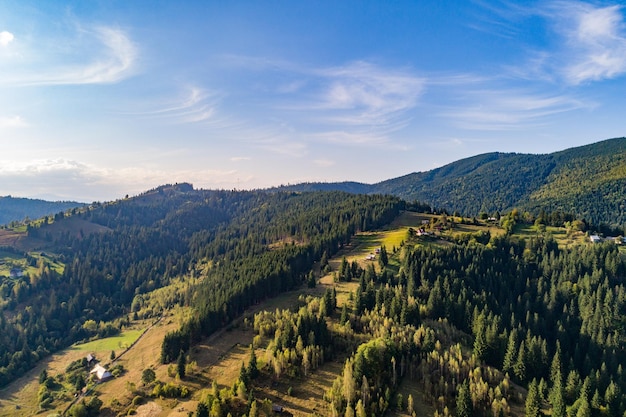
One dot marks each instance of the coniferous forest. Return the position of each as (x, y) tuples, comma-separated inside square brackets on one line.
[(484, 324), (261, 243)]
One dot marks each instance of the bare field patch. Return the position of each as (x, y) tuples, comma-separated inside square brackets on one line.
[(144, 354), (20, 397), (420, 406), (307, 394)]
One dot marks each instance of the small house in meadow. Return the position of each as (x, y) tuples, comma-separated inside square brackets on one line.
[(91, 360), (101, 373)]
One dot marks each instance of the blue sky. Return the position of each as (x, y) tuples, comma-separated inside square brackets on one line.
[(99, 99)]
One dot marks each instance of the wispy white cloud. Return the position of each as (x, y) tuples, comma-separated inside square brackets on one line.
[(507, 109), (12, 121), (193, 106), (595, 40), (368, 94), (590, 44), (103, 55), (240, 158), (499, 18), (344, 100), (6, 38)]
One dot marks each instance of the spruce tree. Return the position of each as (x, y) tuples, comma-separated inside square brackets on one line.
[(511, 352), (464, 401), (253, 371), (180, 365), (557, 399), (519, 368), (533, 400)]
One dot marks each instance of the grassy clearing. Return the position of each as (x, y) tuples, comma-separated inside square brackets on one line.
[(116, 343), (20, 397), (562, 236), (307, 394), (144, 354), (420, 406), (9, 260)]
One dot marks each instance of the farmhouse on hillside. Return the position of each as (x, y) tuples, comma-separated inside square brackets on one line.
[(101, 373), (91, 360)]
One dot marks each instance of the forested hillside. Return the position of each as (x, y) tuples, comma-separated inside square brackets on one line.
[(477, 319), (588, 182), (260, 243), (482, 326), (17, 209)]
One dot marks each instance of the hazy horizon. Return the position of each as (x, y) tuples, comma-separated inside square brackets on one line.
[(103, 99)]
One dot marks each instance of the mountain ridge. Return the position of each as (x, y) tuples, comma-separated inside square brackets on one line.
[(588, 181), (19, 208)]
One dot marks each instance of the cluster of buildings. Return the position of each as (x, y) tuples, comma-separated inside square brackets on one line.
[(598, 239), (98, 372)]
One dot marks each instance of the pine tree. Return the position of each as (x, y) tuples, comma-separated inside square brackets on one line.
[(202, 410), (533, 403), (253, 371), (349, 389), (464, 401), (216, 409), (180, 365), (410, 406), (43, 375), (480, 344), (557, 392), (253, 409), (344, 314), (584, 410), (244, 376), (383, 257), (511, 352), (519, 368)]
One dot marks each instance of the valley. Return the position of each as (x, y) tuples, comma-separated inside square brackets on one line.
[(216, 303), (214, 363)]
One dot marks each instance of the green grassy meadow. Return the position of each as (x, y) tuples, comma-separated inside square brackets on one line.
[(116, 343)]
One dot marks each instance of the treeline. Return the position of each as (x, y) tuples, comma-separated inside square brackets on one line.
[(270, 251)]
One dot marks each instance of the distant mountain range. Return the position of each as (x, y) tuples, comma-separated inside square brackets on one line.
[(588, 181), (17, 209)]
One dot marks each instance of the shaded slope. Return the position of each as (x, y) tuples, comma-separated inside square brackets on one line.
[(488, 182), (588, 181), (17, 209)]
